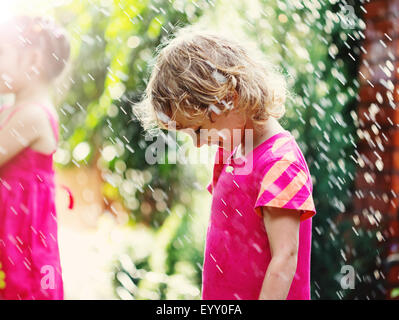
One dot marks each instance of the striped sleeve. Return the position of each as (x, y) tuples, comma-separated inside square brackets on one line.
[(286, 185)]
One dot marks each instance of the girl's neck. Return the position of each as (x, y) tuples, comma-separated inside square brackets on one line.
[(260, 133), (38, 93)]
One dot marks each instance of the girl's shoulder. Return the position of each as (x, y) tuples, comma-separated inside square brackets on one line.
[(28, 117), (48, 112), (32, 112), (46, 119), (22, 115), (283, 159), (283, 149)]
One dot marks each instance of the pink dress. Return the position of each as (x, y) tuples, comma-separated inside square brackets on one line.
[(29, 253), (237, 251)]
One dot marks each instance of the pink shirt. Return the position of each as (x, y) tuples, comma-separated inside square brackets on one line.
[(237, 251)]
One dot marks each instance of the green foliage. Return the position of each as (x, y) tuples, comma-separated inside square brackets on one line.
[(321, 58), (112, 44), (169, 271), (395, 293), (110, 62), (335, 172)]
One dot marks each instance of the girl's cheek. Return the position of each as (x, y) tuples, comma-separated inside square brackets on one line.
[(10, 79), (7, 64)]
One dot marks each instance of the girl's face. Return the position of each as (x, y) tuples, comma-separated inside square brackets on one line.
[(10, 69), (226, 131), (17, 67)]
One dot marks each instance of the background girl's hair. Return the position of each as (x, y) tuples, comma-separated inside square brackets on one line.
[(198, 71), (46, 34)]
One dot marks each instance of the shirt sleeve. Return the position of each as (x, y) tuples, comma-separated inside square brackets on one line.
[(285, 184)]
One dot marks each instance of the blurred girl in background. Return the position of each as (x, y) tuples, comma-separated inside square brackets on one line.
[(33, 53)]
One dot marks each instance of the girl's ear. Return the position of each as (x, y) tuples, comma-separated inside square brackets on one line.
[(213, 116), (235, 98)]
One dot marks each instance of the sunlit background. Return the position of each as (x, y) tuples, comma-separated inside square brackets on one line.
[(138, 230)]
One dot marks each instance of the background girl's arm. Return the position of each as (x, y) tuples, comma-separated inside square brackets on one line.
[(282, 227), (20, 131)]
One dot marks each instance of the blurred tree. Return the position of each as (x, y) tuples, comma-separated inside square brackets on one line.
[(112, 44)]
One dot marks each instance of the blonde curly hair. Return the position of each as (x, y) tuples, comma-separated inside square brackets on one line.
[(199, 70)]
